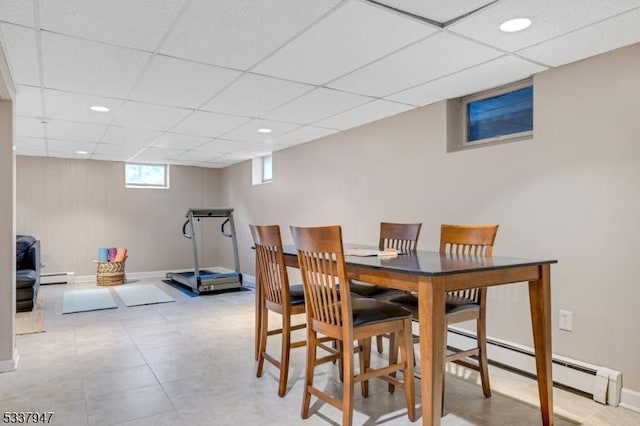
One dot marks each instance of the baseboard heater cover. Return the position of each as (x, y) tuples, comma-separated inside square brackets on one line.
[(604, 384), (57, 278)]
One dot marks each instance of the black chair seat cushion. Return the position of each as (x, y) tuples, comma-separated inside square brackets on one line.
[(453, 303), (297, 294), (25, 278), (370, 311), (363, 289)]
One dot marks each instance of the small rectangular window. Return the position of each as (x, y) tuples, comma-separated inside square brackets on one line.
[(267, 168), (498, 115), (146, 175)]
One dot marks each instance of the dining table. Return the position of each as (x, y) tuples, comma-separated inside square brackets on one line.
[(431, 275)]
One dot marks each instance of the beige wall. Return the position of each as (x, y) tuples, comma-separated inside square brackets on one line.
[(7, 236), (76, 206), (571, 193)]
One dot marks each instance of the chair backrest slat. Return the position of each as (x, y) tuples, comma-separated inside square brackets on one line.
[(474, 240), (270, 263), (321, 259), (399, 236)]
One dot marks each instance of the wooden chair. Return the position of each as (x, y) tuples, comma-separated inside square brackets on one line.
[(276, 296), (465, 240), (332, 312), (399, 236)]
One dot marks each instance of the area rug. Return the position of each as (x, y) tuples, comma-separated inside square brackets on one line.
[(142, 294), (87, 300), (31, 322)]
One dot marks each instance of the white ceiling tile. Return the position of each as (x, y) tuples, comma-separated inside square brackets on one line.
[(482, 77), (316, 105), (366, 113), (304, 134), (350, 37), (249, 132), (17, 12), (593, 40), (67, 130), (31, 144), (106, 157), (88, 67), (437, 10), (29, 101), (427, 60), (176, 141), (72, 106), (140, 24), (128, 136), (198, 156), (148, 116), (70, 146), (117, 151), (550, 18), (213, 165), (158, 154), (238, 34), (29, 126), (254, 95), (209, 124), (176, 82), (22, 54), (69, 154), (222, 146), (31, 152)]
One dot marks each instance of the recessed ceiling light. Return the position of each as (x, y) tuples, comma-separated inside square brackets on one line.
[(513, 25), (264, 130), (99, 108), (79, 152)]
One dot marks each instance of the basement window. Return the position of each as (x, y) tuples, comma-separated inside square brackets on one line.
[(146, 175), (497, 115), (262, 169)]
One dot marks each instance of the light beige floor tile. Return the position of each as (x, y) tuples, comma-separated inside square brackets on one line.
[(133, 404), (118, 380), (93, 367), (166, 419)]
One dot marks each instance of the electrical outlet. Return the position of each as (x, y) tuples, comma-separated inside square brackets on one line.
[(566, 320)]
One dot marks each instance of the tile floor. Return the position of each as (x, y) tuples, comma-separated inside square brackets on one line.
[(191, 363)]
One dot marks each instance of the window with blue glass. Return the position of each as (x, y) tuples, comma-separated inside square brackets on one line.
[(499, 116)]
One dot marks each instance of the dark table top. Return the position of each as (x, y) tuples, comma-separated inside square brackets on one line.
[(423, 262)]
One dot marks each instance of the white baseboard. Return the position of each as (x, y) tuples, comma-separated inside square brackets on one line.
[(603, 383), (630, 400), (57, 278), (10, 364), (249, 280)]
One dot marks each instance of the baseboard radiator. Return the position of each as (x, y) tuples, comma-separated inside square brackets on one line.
[(603, 384), (57, 278)]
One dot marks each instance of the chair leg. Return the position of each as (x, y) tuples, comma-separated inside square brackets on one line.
[(284, 354), (393, 357), (483, 363), (406, 352), (347, 388), (379, 343), (262, 347), (365, 362), (309, 371), (340, 346)]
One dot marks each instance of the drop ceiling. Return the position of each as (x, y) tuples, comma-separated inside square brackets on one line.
[(190, 82)]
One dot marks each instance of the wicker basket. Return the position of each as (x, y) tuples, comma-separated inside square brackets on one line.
[(110, 273)]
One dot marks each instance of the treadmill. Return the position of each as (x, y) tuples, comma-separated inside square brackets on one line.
[(216, 278)]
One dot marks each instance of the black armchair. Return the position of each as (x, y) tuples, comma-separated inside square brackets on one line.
[(27, 272)]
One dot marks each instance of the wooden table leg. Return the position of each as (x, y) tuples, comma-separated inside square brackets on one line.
[(540, 301), (431, 304), (258, 311)]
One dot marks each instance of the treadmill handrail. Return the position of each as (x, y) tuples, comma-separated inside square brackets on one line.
[(184, 230), (223, 232)]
